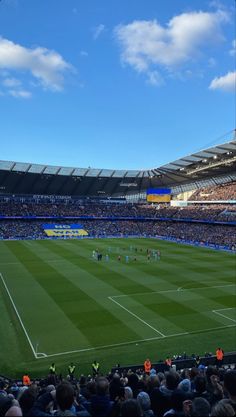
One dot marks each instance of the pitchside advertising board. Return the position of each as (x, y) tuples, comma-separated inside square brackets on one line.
[(158, 195), (64, 230)]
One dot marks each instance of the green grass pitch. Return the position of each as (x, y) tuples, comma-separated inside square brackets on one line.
[(58, 304)]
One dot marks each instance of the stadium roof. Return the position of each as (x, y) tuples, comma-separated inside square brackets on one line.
[(28, 178)]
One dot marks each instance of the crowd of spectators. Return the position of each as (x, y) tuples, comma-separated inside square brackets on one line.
[(219, 212), (200, 391), (217, 192), (194, 232)]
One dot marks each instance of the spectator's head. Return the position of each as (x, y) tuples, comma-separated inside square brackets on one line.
[(211, 370), (185, 385), (65, 396), (200, 408), (131, 408), (200, 384), (5, 404), (26, 400), (102, 386), (144, 401), (128, 393), (223, 408), (153, 382), (172, 380), (230, 383), (14, 411), (177, 399)]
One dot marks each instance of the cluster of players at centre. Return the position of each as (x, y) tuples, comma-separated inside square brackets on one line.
[(147, 254)]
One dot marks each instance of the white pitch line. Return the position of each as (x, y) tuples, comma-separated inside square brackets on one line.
[(175, 290), (223, 315), (20, 263), (139, 341), (19, 318), (137, 317)]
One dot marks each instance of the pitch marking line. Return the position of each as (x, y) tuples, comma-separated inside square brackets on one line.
[(180, 289), (137, 317), (223, 315), (140, 341), (40, 355), (36, 355)]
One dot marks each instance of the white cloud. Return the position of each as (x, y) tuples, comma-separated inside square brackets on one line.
[(225, 83), (20, 93), (98, 30), (232, 51), (147, 44), (47, 66), (11, 82)]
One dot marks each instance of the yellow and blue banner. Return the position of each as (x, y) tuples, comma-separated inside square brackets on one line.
[(158, 195), (64, 230)]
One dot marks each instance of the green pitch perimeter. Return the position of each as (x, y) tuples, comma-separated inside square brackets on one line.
[(58, 304)]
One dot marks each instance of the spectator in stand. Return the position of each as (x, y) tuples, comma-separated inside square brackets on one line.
[(145, 404), (161, 397), (223, 408), (230, 386), (199, 408), (100, 403), (131, 408)]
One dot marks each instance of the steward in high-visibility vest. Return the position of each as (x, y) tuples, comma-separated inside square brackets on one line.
[(95, 368), (71, 370), (219, 356), (26, 380), (147, 366), (52, 369)]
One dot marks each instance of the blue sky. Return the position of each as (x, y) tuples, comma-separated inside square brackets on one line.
[(114, 83)]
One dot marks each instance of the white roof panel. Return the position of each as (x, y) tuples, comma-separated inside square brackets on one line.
[(36, 168), (106, 173), (21, 166), (119, 173), (93, 173), (80, 172), (65, 171), (6, 165), (132, 174), (51, 170)]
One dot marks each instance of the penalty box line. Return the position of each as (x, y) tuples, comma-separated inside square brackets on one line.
[(137, 317), (180, 289), (37, 355), (223, 315)]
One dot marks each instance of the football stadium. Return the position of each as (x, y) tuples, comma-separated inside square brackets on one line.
[(117, 265), (117, 208)]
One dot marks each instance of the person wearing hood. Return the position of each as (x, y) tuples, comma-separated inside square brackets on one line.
[(145, 403)]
